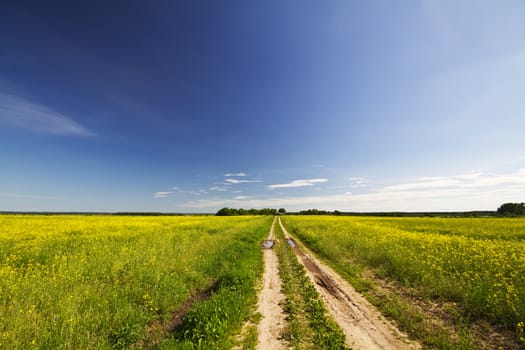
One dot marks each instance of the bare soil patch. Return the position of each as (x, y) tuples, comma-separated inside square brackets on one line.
[(273, 320)]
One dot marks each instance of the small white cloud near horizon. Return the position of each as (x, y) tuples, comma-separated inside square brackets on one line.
[(464, 181), (240, 198), (20, 112), (358, 182), (241, 174), (163, 194), (297, 183)]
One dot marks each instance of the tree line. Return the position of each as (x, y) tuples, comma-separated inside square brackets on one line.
[(265, 211), (506, 209)]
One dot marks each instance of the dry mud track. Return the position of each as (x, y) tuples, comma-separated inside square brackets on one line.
[(273, 320), (364, 327)]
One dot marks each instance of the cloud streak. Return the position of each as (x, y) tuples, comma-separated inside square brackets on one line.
[(241, 174), (218, 189), (20, 112), (464, 181), (237, 181), (163, 194), (194, 193), (241, 198), (297, 183)]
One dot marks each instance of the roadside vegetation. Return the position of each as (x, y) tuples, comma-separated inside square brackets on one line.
[(107, 282), (309, 325), (453, 283)]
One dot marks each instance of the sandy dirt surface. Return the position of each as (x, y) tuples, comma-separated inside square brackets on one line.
[(273, 318), (362, 323)]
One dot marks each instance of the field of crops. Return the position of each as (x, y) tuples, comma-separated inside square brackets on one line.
[(477, 262), (101, 282), (118, 282)]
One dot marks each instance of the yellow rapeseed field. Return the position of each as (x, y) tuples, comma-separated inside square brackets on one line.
[(96, 282), (477, 262)]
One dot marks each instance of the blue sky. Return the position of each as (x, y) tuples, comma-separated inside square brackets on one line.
[(191, 106)]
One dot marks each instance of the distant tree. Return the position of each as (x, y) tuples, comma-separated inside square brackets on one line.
[(224, 212), (512, 209), (282, 211), (313, 212), (267, 211)]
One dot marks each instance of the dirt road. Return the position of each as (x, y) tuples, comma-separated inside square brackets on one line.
[(273, 318), (363, 325)]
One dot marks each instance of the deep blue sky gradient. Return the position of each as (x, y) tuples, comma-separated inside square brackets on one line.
[(113, 106)]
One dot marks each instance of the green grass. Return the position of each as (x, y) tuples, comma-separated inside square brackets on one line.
[(309, 325), (211, 323), (99, 282)]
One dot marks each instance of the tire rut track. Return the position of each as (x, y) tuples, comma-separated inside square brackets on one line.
[(364, 326), (273, 319)]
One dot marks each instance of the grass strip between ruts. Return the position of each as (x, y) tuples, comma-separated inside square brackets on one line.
[(309, 325)]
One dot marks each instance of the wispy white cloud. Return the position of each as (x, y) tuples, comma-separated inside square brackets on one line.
[(241, 198), (474, 191), (464, 181), (237, 181), (163, 194), (195, 193), (218, 188), (178, 190), (358, 182), (241, 174), (456, 192), (38, 118), (297, 183)]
